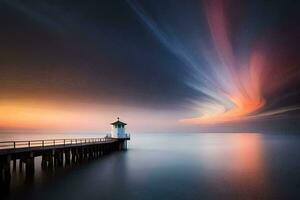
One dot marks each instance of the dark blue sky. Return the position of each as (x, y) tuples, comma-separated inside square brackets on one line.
[(91, 49), (198, 58)]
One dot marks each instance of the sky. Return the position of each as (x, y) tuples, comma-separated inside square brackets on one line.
[(161, 66)]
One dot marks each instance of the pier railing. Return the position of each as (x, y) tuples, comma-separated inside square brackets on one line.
[(50, 142)]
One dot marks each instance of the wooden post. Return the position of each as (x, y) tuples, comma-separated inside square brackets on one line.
[(44, 162), (20, 165), (50, 160), (14, 164), (67, 157), (30, 165), (5, 175), (73, 155), (61, 159)]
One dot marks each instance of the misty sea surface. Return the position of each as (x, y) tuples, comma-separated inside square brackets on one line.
[(172, 167)]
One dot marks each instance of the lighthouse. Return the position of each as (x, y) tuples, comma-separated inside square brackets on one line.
[(118, 130)]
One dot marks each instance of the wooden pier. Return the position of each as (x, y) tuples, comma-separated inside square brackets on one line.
[(54, 153)]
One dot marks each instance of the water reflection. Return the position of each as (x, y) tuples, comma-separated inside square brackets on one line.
[(234, 164), (180, 166), (248, 175)]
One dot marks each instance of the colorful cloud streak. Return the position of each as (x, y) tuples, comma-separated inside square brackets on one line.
[(234, 88), (243, 85)]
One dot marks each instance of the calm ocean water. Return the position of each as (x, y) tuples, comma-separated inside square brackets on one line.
[(175, 166)]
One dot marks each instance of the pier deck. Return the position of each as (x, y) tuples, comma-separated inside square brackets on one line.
[(54, 153)]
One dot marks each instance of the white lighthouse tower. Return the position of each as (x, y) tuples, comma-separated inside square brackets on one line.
[(118, 130)]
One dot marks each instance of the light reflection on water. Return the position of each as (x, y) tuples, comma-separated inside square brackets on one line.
[(180, 166)]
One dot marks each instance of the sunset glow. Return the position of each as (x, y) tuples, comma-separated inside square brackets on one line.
[(26, 114), (215, 63)]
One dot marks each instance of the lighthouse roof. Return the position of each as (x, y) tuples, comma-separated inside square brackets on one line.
[(118, 122)]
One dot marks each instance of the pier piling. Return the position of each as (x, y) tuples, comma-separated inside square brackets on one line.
[(54, 154)]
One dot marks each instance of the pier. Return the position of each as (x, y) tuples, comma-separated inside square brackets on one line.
[(54, 153)]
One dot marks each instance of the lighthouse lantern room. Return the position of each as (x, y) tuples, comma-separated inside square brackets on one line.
[(118, 129)]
